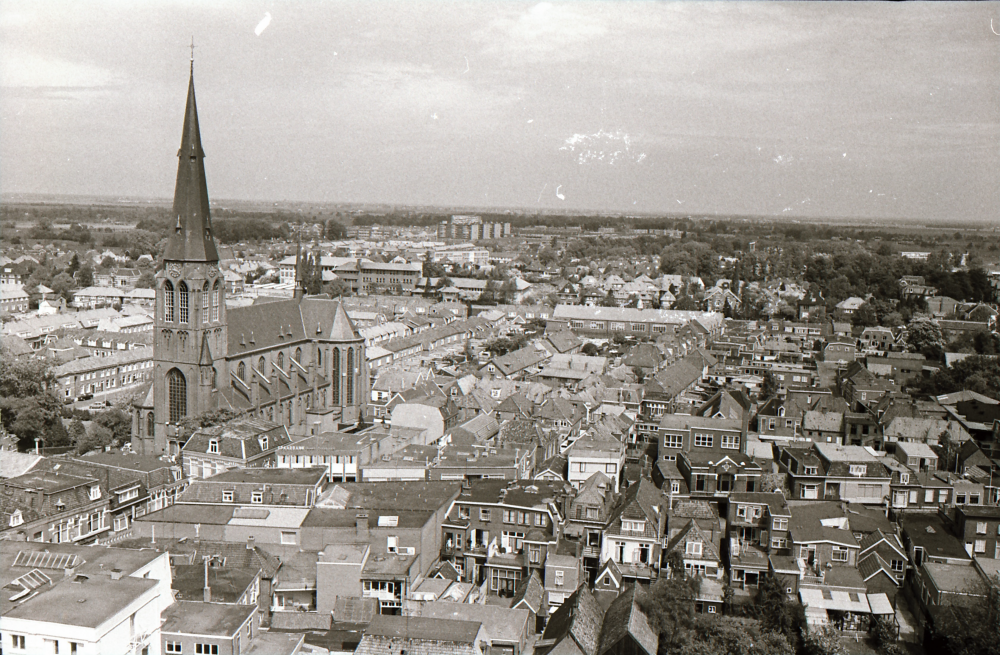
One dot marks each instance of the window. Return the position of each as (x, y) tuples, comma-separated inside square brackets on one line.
[(257, 497), (779, 524), (350, 376), (177, 389), (693, 548), (263, 443), (981, 527), (839, 554), (593, 513), (168, 301), (484, 515), (929, 496), (95, 492), (904, 478), (778, 542), (673, 441), (703, 440), (980, 546), (463, 512), (289, 538), (150, 424), (731, 442), (182, 301), (17, 641), (973, 499), (206, 649), (174, 647), (675, 486), (809, 491), (509, 516), (959, 499), (898, 565), (943, 496), (204, 303), (812, 470), (633, 526), (610, 469), (216, 297), (227, 496), (560, 578), (241, 371), (534, 554), (858, 469)]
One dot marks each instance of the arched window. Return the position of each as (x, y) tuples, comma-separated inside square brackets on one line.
[(168, 301), (261, 363), (241, 371), (182, 298), (204, 303), (319, 359), (350, 376), (336, 376), (298, 355), (281, 360), (177, 389), (216, 297), (150, 424)]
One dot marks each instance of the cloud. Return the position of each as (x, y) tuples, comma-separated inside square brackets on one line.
[(31, 71), (543, 31)]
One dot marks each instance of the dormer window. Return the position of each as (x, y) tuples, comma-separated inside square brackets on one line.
[(633, 526), (693, 548), (858, 469), (95, 492), (263, 443), (227, 496), (257, 497), (213, 446), (812, 470), (16, 518), (904, 478)]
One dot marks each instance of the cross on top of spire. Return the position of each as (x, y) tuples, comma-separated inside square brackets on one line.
[(192, 54)]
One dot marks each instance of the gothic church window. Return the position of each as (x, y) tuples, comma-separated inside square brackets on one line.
[(241, 371), (177, 391), (204, 303), (260, 365), (182, 298), (298, 355), (281, 361), (150, 424), (350, 376), (216, 296), (168, 301), (336, 376)]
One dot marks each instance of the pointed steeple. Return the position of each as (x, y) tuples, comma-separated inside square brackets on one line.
[(206, 353), (192, 238), (342, 328)]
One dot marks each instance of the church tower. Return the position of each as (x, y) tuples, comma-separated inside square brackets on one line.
[(190, 320)]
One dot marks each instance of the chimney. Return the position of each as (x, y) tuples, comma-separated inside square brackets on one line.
[(116, 574), (207, 590), (361, 523), (250, 542)]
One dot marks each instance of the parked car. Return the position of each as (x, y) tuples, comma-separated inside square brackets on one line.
[(86, 396)]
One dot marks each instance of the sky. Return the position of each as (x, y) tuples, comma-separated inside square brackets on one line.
[(816, 109)]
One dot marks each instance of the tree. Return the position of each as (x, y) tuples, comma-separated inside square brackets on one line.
[(972, 629), (77, 432), (924, 336), (609, 300), (63, 285), (822, 641), (117, 422), (669, 604), (686, 303), (95, 439), (85, 276), (146, 281), (865, 316), (190, 424), (589, 349), (769, 386), (336, 288), (334, 231), (774, 611)]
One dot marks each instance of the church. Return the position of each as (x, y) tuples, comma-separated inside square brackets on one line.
[(299, 362)]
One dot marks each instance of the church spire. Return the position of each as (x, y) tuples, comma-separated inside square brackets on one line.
[(192, 238)]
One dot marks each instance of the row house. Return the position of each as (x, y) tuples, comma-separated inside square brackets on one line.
[(709, 453), (859, 385), (695, 534), (54, 507), (877, 339), (820, 537), (979, 529), (832, 472), (634, 534), (922, 491), (136, 485), (588, 513), (757, 526), (498, 531), (516, 365), (241, 443), (117, 371), (594, 453), (258, 487)]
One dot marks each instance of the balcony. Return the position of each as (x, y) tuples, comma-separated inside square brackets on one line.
[(592, 551)]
